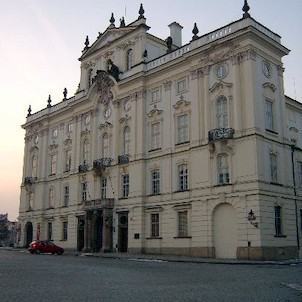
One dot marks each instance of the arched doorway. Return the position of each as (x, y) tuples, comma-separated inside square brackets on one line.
[(28, 233), (225, 231)]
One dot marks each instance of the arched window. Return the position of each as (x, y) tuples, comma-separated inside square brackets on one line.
[(126, 140), (129, 59), (86, 151), (105, 145), (222, 112)]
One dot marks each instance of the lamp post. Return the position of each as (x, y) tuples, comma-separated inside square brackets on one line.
[(293, 148)]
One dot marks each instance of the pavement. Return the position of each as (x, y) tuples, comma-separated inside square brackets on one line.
[(171, 258)]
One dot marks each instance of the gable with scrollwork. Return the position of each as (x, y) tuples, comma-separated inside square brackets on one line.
[(155, 115), (221, 88)]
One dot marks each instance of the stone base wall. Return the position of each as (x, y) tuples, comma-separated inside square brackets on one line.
[(267, 253)]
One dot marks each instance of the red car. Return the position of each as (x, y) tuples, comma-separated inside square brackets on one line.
[(45, 246)]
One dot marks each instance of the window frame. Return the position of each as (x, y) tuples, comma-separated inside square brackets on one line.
[(182, 121), (66, 195), (84, 191), (278, 221), (269, 115), (273, 167), (103, 188), (182, 223), (223, 171), (222, 119), (125, 185), (154, 225), (155, 135), (155, 182), (126, 140), (183, 177)]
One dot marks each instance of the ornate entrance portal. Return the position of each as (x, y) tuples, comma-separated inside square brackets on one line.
[(97, 226)]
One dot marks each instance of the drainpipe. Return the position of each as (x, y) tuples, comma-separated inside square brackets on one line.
[(295, 193)]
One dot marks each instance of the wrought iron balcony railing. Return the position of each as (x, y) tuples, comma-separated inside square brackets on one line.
[(221, 134), (83, 168), (102, 163), (30, 180), (123, 159)]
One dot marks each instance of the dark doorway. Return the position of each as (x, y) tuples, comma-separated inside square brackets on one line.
[(28, 233), (123, 232), (81, 227)]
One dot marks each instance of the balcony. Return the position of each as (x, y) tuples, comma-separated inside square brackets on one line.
[(123, 159), (83, 168), (104, 203), (28, 181), (221, 134)]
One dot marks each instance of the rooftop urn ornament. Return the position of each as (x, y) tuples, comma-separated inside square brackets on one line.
[(112, 20), (141, 12), (29, 110), (65, 93), (195, 31), (86, 43), (122, 22), (49, 102), (246, 8), (169, 43)]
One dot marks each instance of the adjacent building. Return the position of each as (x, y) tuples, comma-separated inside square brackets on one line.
[(168, 148)]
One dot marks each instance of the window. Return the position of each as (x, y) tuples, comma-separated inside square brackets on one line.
[(182, 129), (269, 115), (65, 230), (126, 140), (103, 187), (55, 133), (301, 220), (155, 136), (129, 59), (273, 167), (222, 112), (181, 86), (34, 166), (86, 151), (155, 189), (69, 128), (67, 160), (299, 172), (125, 183), (105, 145), (182, 223), (278, 220), (90, 77), (154, 225), (84, 191), (53, 164), (51, 198), (183, 177), (31, 201), (155, 96), (49, 231), (66, 196), (223, 169)]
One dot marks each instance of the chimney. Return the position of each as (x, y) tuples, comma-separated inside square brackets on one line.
[(175, 33)]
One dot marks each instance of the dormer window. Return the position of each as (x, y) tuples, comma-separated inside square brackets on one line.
[(129, 59)]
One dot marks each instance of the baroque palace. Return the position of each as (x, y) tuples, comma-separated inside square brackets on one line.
[(170, 149)]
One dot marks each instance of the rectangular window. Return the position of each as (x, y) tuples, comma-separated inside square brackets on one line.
[(155, 182), (51, 198), (278, 221), (154, 225), (84, 191), (181, 86), (103, 187), (68, 160), (183, 177), (49, 231), (65, 230), (53, 164), (223, 169), (269, 115), (273, 167), (182, 129), (66, 196), (125, 183), (155, 136), (183, 224), (69, 128)]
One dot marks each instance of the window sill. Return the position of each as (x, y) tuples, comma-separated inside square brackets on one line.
[(183, 237), (154, 194), (179, 191), (150, 238), (280, 236), (182, 143), (223, 184), (271, 131), (124, 197), (154, 150), (276, 184)]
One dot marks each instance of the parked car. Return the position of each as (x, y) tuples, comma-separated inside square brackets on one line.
[(44, 246)]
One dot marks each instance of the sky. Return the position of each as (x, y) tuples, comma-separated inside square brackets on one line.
[(42, 40)]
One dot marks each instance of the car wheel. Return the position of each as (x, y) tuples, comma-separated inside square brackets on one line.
[(38, 252), (59, 253)]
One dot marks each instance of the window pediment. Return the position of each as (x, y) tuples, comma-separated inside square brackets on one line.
[(155, 113), (181, 104), (105, 126), (221, 87)]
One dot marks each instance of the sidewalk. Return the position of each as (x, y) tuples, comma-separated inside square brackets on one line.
[(169, 258)]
